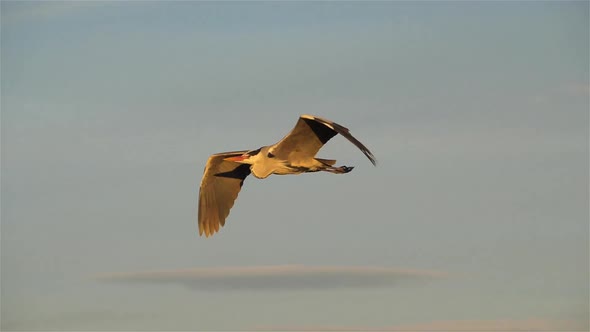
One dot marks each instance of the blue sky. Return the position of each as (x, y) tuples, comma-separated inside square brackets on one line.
[(476, 111)]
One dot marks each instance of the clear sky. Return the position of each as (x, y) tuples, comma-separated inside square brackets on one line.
[(475, 218)]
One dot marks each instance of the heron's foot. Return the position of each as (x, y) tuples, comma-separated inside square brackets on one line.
[(346, 169), (340, 170)]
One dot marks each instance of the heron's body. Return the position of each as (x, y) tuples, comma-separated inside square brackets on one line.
[(263, 165), (294, 154)]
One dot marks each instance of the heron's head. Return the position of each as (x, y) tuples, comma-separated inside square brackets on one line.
[(249, 157)]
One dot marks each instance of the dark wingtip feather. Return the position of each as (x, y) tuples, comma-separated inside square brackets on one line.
[(344, 132), (372, 158)]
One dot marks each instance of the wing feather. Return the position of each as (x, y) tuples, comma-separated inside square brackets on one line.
[(309, 135), (220, 186)]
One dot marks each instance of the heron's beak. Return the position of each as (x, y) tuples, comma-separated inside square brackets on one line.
[(236, 159)]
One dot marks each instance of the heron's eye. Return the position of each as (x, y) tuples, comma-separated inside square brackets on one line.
[(270, 155)]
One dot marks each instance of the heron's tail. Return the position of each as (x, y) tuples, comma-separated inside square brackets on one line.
[(329, 162)]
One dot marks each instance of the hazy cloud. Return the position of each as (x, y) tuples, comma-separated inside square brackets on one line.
[(580, 89), (451, 325), (279, 277), (26, 11)]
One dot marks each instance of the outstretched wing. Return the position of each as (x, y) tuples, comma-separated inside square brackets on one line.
[(220, 186), (308, 136)]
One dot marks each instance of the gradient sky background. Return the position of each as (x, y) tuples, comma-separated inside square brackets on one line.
[(477, 113)]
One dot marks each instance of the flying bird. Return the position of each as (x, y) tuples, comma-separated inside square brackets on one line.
[(294, 154)]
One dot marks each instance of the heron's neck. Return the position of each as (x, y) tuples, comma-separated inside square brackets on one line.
[(263, 166)]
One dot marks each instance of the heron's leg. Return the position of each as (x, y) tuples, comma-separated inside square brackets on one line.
[(338, 170)]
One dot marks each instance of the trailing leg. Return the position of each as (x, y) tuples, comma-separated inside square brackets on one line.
[(338, 170)]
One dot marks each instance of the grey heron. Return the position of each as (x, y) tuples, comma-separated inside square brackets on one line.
[(294, 154)]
